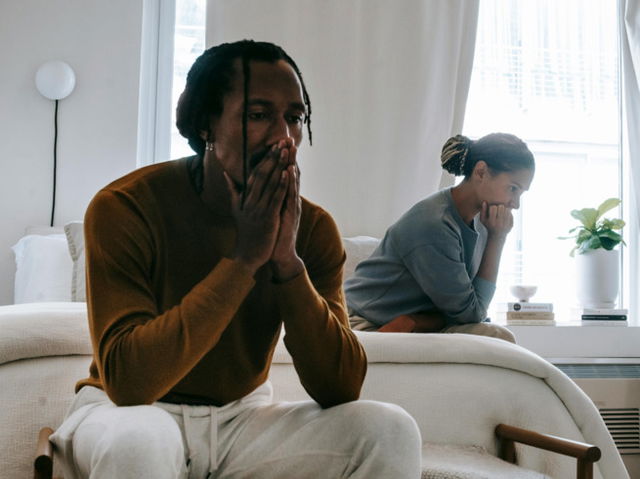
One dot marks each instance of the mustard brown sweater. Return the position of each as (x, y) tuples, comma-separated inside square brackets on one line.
[(172, 318)]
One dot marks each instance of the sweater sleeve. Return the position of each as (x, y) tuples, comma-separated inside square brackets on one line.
[(141, 354), (327, 356), (442, 274)]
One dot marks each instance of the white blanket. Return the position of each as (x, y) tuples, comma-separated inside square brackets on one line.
[(34, 330)]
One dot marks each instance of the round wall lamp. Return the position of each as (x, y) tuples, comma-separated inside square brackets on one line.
[(55, 80)]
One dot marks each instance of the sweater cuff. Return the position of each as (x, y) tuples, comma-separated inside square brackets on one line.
[(304, 294), (484, 290)]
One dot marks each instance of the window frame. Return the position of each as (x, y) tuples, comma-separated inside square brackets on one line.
[(156, 81)]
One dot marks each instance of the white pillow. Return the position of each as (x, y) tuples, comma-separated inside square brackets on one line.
[(357, 248), (44, 230), (43, 269), (75, 238), (62, 264)]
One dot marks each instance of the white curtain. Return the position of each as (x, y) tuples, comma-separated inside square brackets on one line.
[(388, 83), (629, 14)]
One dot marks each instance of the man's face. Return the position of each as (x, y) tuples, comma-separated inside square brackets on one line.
[(275, 111)]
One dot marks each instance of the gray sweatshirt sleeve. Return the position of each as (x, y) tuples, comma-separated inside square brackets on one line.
[(442, 274)]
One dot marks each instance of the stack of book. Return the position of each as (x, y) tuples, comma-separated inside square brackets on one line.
[(526, 314), (602, 317)]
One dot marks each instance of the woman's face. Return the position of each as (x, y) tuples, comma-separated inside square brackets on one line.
[(504, 188)]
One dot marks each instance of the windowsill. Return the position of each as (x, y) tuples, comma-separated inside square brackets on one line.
[(577, 341)]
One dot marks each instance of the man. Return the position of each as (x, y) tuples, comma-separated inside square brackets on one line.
[(193, 268)]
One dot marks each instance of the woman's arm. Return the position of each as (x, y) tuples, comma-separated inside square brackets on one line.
[(498, 220)]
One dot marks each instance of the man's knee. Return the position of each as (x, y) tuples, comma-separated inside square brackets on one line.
[(381, 422), (138, 437)]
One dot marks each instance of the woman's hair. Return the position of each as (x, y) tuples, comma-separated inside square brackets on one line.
[(211, 78), (502, 152)]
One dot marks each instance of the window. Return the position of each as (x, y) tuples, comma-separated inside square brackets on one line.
[(548, 72), (189, 41), (172, 38), (544, 70)]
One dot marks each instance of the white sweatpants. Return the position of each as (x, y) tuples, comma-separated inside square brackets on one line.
[(248, 438)]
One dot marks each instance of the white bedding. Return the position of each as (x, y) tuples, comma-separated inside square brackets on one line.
[(456, 382), (457, 387), (43, 269), (43, 329)]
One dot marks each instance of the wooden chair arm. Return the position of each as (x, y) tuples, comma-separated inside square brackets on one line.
[(586, 454), (43, 463)]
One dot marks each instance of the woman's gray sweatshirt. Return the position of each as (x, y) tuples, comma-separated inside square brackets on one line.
[(427, 261)]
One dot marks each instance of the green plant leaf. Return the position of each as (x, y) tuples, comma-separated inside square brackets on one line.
[(604, 224), (581, 228), (596, 232), (612, 235), (583, 236), (607, 205), (565, 237), (592, 243), (616, 224), (608, 243), (587, 216)]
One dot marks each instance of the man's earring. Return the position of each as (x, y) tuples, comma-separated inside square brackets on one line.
[(209, 146)]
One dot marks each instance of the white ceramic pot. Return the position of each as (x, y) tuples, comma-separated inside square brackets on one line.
[(598, 278)]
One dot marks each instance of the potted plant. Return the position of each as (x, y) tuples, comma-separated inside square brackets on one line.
[(597, 260)]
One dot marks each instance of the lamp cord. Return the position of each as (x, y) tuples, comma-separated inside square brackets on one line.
[(55, 160)]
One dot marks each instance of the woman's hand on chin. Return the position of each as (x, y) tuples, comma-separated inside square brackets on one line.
[(498, 219)]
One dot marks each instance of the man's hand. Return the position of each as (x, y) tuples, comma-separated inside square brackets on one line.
[(258, 219), (285, 262), (498, 219)]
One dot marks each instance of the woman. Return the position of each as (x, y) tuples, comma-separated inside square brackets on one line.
[(436, 267)]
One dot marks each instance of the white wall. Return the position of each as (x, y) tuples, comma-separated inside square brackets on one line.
[(97, 123)]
